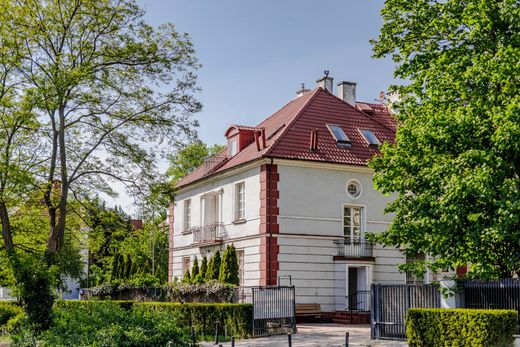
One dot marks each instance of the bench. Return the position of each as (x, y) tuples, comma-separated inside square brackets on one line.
[(308, 310)]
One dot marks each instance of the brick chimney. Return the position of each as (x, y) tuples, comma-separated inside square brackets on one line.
[(347, 92)]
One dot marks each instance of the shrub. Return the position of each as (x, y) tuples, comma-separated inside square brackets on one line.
[(214, 267), (106, 323), (8, 310), (204, 267), (195, 269), (210, 292), (460, 327), (229, 267)]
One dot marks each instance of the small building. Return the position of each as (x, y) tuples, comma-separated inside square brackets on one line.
[(295, 196)]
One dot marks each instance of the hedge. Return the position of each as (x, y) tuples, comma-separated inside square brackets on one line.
[(460, 327), (237, 317)]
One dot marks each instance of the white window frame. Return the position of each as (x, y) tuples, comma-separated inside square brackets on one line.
[(233, 147), (241, 258), (187, 215), (240, 213), (185, 265), (363, 219), (360, 186)]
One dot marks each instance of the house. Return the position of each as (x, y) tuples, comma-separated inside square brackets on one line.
[(295, 196)]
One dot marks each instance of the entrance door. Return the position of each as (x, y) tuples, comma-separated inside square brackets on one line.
[(358, 284), (352, 288)]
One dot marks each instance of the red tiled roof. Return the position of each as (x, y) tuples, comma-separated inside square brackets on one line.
[(289, 129)]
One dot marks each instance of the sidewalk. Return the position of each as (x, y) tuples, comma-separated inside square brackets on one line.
[(319, 335)]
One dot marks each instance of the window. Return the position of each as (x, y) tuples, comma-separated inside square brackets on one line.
[(185, 265), (354, 189), (240, 201), (339, 135), (187, 214), (411, 278), (370, 137), (233, 148), (241, 272), (352, 222)]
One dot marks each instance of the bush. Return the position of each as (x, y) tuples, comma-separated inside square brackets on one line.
[(460, 327), (229, 267), (8, 310), (106, 323)]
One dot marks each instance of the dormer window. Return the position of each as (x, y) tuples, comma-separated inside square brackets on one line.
[(370, 138), (339, 135)]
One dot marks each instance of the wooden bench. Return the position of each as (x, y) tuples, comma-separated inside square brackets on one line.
[(308, 310)]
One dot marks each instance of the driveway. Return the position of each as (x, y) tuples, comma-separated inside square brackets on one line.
[(318, 335)]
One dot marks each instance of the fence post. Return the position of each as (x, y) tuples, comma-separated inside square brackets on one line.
[(232, 341), (373, 311), (346, 339), (216, 333), (289, 339), (193, 336)]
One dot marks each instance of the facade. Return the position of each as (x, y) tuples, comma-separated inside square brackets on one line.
[(295, 196)]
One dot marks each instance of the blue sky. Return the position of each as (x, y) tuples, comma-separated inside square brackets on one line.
[(255, 54)]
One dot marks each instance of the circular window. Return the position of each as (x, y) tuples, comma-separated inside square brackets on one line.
[(353, 189)]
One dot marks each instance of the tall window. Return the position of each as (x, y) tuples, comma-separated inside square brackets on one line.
[(187, 214), (185, 265), (240, 201), (241, 272), (352, 221)]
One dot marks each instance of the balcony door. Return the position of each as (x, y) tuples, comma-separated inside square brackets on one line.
[(211, 210), (353, 222)]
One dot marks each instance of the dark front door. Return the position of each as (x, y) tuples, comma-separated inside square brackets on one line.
[(352, 287)]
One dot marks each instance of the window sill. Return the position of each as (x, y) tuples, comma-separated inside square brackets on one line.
[(239, 221), (186, 232)]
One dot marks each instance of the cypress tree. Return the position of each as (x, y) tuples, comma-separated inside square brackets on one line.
[(195, 268), (187, 277), (229, 267), (214, 267), (204, 267)]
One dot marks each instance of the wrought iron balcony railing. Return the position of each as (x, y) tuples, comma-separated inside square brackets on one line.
[(355, 247), (211, 233)]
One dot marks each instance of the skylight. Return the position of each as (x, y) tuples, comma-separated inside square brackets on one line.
[(339, 135), (370, 137)]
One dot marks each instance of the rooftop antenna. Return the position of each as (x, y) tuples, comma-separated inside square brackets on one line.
[(326, 72)]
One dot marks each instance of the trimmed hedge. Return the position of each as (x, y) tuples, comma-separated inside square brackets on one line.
[(460, 327), (237, 317)]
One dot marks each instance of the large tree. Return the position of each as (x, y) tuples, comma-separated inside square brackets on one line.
[(91, 92), (455, 163)]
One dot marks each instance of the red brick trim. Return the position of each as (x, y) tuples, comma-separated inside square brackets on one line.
[(170, 241), (269, 211)]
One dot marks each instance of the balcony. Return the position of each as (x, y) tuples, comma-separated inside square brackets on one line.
[(354, 247), (208, 235)]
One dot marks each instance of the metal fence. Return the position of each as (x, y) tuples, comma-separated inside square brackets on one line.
[(391, 302), (499, 294), (273, 310)]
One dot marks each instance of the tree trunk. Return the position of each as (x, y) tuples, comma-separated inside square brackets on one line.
[(6, 227)]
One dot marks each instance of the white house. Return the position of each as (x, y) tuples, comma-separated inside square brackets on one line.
[(295, 196)]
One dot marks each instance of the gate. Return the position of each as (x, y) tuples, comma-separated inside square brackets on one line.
[(391, 302), (273, 310)]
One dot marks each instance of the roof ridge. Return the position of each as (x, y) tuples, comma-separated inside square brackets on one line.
[(293, 120)]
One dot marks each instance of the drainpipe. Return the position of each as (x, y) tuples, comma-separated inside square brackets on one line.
[(269, 223)]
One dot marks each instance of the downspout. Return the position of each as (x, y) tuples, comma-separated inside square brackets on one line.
[(269, 223)]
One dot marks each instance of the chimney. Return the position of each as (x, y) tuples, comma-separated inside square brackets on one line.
[(347, 92), (326, 82), (393, 96), (301, 92)]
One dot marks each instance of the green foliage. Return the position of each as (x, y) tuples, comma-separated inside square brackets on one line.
[(229, 267), (454, 164), (187, 277), (195, 268), (214, 267), (108, 324), (204, 267), (8, 310), (460, 327), (189, 158)]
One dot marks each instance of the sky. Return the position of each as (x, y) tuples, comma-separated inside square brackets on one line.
[(256, 54)]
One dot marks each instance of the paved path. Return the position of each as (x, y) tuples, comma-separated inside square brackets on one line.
[(319, 335)]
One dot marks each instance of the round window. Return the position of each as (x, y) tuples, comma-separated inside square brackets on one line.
[(354, 189)]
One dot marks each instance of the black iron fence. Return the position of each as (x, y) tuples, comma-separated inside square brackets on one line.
[(499, 294), (356, 247), (273, 310), (358, 301), (208, 234), (391, 302)]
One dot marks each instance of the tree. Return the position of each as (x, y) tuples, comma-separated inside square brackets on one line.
[(229, 267), (195, 268), (455, 164), (187, 277), (189, 158), (214, 267), (204, 267), (93, 91)]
